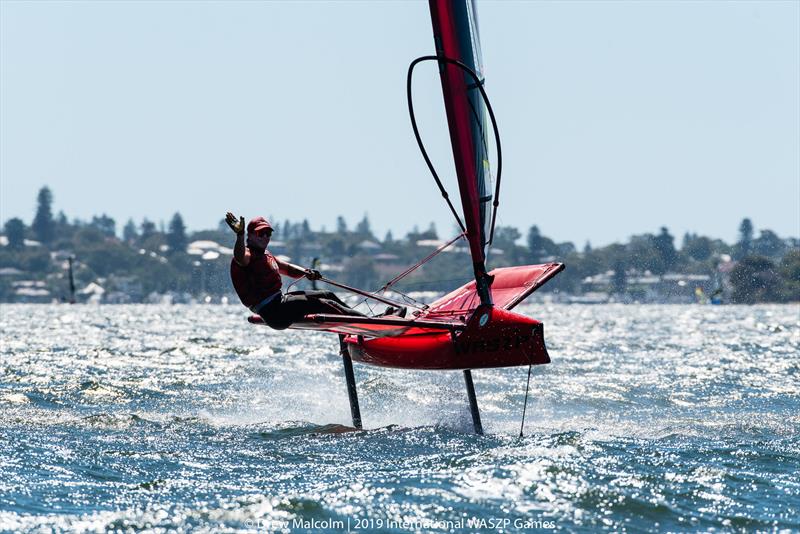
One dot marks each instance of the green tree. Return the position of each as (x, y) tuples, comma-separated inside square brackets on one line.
[(505, 238), (129, 233), (359, 271), (363, 229), (148, 229), (789, 270), (15, 233), (619, 281), (687, 237), (535, 244), (769, 244), (43, 227), (697, 248), (64, 232), (643, 255), (105, 224), (754, 279), (565, 249), (431, 231), (341, 225), (109, 258), (36, 260), (334, 247), (61, 220), (664, 245), (87, 237), (745, 243), (305, 230), (176, 236)]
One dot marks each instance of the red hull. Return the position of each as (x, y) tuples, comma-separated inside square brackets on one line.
[(454, 332), (493, 337)]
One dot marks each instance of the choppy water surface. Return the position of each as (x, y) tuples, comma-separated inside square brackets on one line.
[(650, 418)]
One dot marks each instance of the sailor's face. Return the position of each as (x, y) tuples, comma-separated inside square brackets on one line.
[(260, 239)]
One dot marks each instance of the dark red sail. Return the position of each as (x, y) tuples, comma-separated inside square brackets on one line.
[(455, 32)]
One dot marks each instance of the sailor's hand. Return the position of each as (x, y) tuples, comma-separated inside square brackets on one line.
[(236, 225), (313, 274)]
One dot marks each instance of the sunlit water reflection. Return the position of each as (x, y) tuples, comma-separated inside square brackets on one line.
[(650, 418)]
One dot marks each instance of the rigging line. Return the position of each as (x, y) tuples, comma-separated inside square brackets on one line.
[(407, 299), (420, 263), (293, 283), (479, 84), (419, 286), (412, 301), (363, 293), (419, 139)]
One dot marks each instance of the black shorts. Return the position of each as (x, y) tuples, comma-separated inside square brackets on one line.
[(292, 307)]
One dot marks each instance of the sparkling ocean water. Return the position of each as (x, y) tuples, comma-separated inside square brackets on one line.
[(179, 418)]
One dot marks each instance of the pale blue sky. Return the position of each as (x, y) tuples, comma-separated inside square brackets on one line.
[(616, 118)]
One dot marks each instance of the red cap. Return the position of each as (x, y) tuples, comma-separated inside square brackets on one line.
[(259, 223)]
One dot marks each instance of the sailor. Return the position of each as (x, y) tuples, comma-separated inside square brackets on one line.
[(256, 276)]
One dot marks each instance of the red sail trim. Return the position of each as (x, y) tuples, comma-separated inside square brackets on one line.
[(511, 285)]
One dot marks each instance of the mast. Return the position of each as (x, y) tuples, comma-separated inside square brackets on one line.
[(455, 32), (71, 281)]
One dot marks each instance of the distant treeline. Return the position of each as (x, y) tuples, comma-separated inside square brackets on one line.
[(146, 258)]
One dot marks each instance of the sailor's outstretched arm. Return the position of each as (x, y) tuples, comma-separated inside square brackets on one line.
[(295, 271), (240, 252)]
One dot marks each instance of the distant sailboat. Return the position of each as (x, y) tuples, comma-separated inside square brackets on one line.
[(71, 280)]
